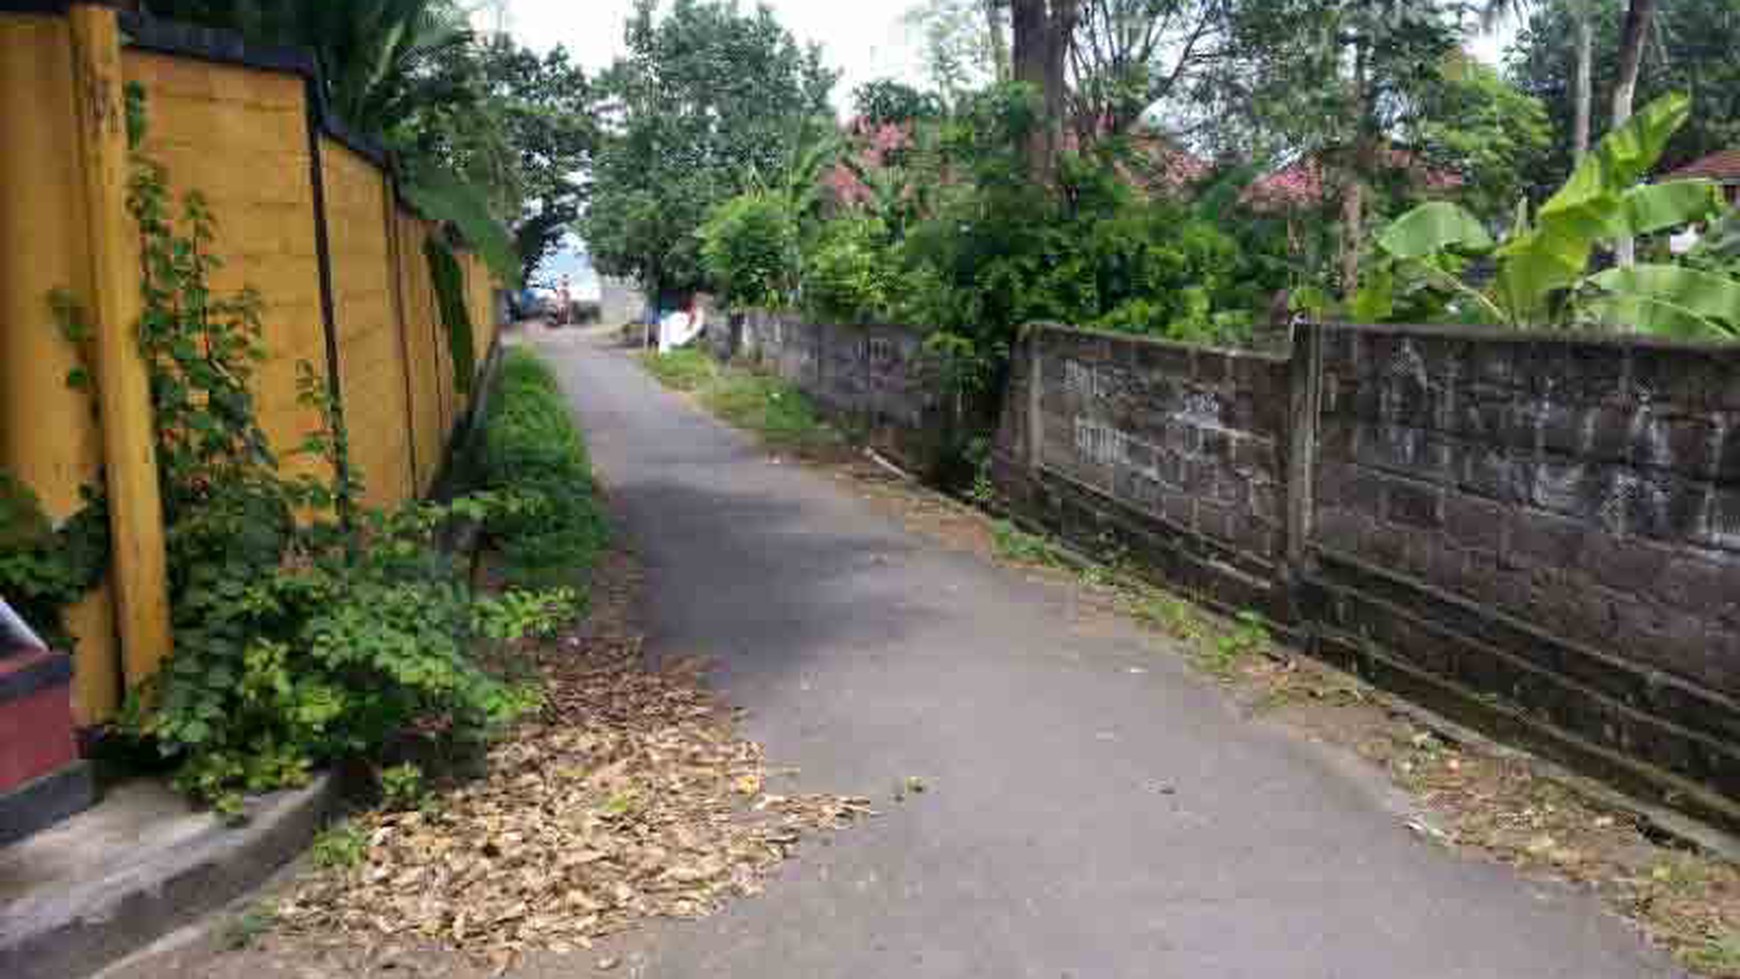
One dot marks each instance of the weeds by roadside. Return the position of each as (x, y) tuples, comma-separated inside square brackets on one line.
[(683, 370), (1017, 546), (1469, 796), (339, 846), (250, 926), (782, 416), (532, 449)]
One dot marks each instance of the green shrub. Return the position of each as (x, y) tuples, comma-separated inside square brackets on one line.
[(299, 640), (532, 449), (334, 653), (688, 369), (848, 275), (749, 248)]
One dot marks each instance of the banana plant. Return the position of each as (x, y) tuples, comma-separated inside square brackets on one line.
[(1543, 275)]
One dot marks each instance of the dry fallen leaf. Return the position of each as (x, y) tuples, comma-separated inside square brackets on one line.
[(628, 797)]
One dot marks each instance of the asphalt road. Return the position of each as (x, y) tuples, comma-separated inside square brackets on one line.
[(1094, 810)]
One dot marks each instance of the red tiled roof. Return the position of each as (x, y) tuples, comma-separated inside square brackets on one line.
[(1717, 166), (1303, 184)]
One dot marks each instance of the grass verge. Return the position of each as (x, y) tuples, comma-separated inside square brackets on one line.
[(784, 417), (1469, 796), (531, 448)]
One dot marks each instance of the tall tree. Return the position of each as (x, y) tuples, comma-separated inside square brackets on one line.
[(1130, 55), (1638, 16), (1330, 83), (707, 103), (1044, 32), (966, 43), (1582, 14), (997, 38), (545, 106), (1690, 49)]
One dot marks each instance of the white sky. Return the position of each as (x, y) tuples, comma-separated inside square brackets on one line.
[(863, 38)]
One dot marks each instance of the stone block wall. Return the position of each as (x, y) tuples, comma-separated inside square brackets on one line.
[(1193, 437), (1588, 487), (1535, 534), (872, 376)]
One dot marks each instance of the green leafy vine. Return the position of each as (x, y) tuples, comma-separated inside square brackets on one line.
[(301, 639)]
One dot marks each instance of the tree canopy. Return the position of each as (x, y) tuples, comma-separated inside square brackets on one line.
[(1692, 50), (707, 103)]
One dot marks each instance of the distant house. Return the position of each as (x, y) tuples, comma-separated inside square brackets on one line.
[(1155, 165), (1723, 168), (1304, 185)]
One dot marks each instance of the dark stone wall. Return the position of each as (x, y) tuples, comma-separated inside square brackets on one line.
[(1589, 488), (1193, 436), (1537, 535), (871, 376)]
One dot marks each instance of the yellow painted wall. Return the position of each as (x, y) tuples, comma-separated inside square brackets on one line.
[(422, 332), (371, 368), (477, 284), (239, 136), (49, 436)]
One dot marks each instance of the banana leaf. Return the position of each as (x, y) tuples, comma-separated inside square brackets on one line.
[(1376, 300), (1431, 228), (1658, 207), (1593, 206), (1623, 157), (444, 197), (1667, 299)]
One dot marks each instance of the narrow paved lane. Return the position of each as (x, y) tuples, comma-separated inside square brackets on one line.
[(1083, 820)]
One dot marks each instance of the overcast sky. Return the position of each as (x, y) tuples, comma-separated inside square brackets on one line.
[(864, 39)]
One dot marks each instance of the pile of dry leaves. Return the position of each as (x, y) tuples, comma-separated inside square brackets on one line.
[(629, 797)]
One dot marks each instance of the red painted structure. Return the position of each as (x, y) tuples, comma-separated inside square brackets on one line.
[(36, 728), (42, 778)]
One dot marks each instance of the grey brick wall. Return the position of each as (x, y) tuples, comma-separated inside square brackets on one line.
[(1192, 436), (1586, 487), (1538, 535), (873, 376)]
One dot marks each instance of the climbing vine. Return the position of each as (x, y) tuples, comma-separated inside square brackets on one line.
[(301, 638), (43, 568)]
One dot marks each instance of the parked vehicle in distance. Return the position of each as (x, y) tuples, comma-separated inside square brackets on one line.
[(532, 302)]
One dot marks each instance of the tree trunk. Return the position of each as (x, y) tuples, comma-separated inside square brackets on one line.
[(1352, 231), (1043, 33), (1585, 80), (1637, 20), (998, 41), (1364, 161)]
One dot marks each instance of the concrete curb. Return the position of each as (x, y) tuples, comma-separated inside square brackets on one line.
[(75, 930)]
